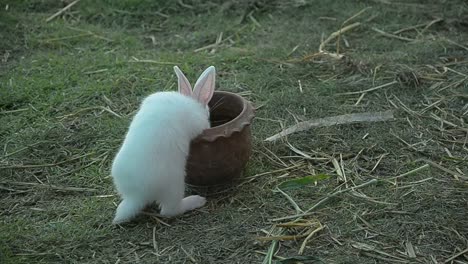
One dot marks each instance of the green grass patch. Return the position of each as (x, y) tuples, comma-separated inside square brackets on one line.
[(69, 88)]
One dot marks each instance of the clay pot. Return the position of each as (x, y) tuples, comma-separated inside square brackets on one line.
[(219, 155)]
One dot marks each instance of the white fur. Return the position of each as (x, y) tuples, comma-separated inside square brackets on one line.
[(150, 165)]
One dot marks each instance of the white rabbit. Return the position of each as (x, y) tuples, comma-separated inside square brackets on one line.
[(150, 165)]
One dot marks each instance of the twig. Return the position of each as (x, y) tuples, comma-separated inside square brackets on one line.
[(155, 244), (69, 37), (188, 255), (425, 25), (77, 169), (277, 159), (282, 237), (90, 33), (456, 255), (454, 71), (274, 171), (294, 204), (62, 10), (429, 25), (217, 43), (335, 35), (271, 252), (21, 149), (411, 184), (107, 109), (370, 248), (423, 167), (378, 162), (96, 71), (344, 23), (44, 165), (355, 15), (370, 89), (334, 120), (298, 151), (264, 253), (153, 61), (156, 217), (13, 111), (252, 18), (309, 211), (294, 224), (7, 189), (304, 243), (339, 170), (340, 192), (434, 116), (456, 175), (404, 142), (456, 44), (53, 187), (390, 35), (184, 4)]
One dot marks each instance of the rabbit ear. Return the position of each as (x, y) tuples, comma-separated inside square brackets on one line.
[(184, 86), (205, 85)]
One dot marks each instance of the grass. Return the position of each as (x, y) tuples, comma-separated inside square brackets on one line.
[(69, 87)]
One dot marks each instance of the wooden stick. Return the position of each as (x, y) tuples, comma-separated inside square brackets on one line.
[(334, 120)]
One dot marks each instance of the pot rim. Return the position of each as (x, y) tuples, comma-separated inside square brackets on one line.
[(235, 125)]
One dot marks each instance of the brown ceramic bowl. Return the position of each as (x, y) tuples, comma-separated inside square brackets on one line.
[(219, 155)]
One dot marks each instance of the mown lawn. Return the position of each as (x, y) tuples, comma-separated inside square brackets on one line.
[(70, 86)]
